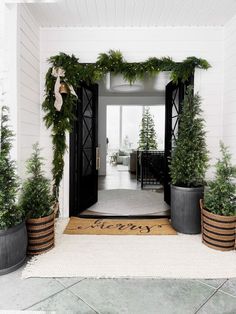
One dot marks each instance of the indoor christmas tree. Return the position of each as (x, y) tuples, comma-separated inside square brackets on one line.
[(147, 135), (10, 215)]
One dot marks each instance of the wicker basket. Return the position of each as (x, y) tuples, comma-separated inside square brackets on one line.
[(40, 234), (218, 232)]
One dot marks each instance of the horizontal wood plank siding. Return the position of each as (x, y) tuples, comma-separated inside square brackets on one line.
[(229, 117), (28, 85)]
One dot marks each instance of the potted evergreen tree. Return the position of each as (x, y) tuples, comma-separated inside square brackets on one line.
[(13, 235), (219, 206), (147, 135), (36, 201), (188, 166)]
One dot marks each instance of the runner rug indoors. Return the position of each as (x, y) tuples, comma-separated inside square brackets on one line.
[(119, 226), (109, 256)]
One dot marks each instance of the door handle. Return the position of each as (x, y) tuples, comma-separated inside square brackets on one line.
[(98, 159)]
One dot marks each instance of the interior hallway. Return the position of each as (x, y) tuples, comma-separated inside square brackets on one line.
[(120, 194)]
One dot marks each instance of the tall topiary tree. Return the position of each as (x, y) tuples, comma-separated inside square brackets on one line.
[(190, 157), (147, 134), (10, 214), (220, 196), (36, 198)]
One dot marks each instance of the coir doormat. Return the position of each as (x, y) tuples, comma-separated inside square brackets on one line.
[(159, 226)]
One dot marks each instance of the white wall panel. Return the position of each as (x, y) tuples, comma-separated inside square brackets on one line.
[(28, 85), (229, 117)]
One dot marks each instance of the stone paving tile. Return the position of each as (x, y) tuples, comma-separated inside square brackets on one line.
[(63, 302), (17, 293), (229, 287), (220, 303), (68, 281), (26, 312), (215, 283), (143, 295)]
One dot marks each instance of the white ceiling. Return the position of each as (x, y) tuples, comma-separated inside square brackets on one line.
[(133, 13)]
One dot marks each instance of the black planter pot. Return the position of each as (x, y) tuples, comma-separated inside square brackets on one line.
[(185, 209), (13, 245)]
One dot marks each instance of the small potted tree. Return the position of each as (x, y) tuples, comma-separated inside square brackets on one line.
[(188, 166), (36, 201), (13, 235), (219, 206)]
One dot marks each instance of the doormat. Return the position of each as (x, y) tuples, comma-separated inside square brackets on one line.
[(119, 226)]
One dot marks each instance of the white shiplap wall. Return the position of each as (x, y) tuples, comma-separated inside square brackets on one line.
[(28, 85), (2, 28), (229, 117), (137, 44)]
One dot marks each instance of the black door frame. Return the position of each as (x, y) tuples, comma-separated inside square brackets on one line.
[(168, 148)]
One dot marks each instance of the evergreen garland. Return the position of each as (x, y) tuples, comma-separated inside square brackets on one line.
[(61, 122), (10, 214), (147, 135), (220, 195), (190, 156), (36, 199)]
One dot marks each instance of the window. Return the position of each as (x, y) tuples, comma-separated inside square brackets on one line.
[(123, 126)]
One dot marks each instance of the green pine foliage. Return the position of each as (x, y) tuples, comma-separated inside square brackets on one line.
[(10, 214), (220, 195), (36, 199), (147, 135), (75, 72), (190, 157)]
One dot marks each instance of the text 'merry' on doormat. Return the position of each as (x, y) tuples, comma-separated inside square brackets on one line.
[(159, 226)]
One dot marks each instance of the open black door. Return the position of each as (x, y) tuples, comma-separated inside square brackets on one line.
[(174, 98), (84, 157)]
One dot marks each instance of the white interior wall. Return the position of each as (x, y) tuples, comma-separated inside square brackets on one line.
[(137, 44), (229, 117)]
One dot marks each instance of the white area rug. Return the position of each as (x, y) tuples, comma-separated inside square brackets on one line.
[(182, 256), (129, 202)]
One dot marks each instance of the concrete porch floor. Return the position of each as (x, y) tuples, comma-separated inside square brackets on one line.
[(132, 296)]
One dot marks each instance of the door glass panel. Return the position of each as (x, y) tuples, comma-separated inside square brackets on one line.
[(87, 132), (87, 162), (87, 103)]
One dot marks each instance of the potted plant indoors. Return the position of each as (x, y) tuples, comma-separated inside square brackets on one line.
[(13, 235), (219, 206), (188, 166), (36, 201)]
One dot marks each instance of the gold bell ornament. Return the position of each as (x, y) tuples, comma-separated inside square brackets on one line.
[(63, 88)]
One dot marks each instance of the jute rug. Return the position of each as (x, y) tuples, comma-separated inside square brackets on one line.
[(119, 226), (105, 256)]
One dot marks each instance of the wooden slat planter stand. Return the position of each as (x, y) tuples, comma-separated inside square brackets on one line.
[(218, 232), (40, 234)]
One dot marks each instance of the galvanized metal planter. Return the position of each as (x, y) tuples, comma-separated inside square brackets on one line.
[(13, 245), (218, 232), (185, 209)]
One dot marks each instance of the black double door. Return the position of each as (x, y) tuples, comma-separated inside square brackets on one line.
[(84, 159), (84, 152)]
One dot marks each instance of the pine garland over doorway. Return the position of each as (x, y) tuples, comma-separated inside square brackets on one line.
[(60, 122)]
